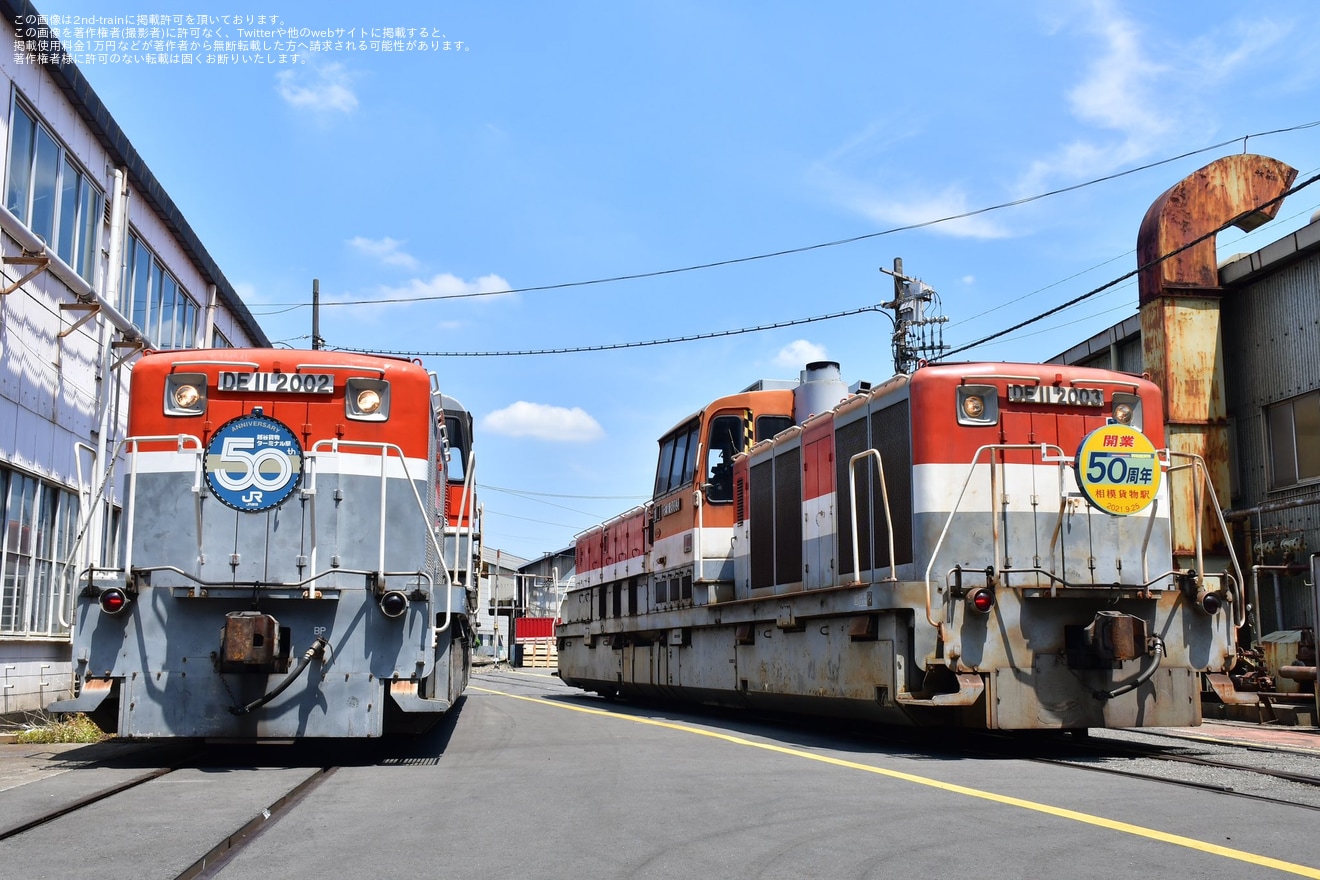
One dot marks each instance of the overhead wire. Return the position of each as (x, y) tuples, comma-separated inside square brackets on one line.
[(613, 346), (284, 307), (1124, 277)]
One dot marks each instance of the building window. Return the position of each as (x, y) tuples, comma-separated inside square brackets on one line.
[(1294, 438), (40, 521), (155, 302), (49, 193)]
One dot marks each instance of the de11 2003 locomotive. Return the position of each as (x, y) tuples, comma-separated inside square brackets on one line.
[(981, 545)]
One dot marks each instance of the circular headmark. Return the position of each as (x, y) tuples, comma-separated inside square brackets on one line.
[(253, 463), (1118, 469)]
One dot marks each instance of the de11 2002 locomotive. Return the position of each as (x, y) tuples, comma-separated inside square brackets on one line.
[(299, 530)]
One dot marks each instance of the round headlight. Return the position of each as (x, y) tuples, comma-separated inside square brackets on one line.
[(973, 406), (187, 396), (368, 401), (1123, 413)]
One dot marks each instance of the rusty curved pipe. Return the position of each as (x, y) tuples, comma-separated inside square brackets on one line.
[(1230, 189)]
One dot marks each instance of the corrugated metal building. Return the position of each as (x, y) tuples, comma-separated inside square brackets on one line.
[(547, 579), (98, 264), (498, 602), (1270, 326)]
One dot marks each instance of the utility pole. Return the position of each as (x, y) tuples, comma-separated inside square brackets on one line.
[(918, 335), (317, 341)]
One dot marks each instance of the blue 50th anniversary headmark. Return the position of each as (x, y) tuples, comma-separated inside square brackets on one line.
[(253, 463)]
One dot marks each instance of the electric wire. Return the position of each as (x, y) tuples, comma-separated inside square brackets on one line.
[(285, 307), (614, 346), (1124, 277)]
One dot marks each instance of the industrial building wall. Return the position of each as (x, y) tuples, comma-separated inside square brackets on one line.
[(1270, 327), (63, 387)]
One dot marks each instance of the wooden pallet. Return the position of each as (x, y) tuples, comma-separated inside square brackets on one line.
[(540, 653)]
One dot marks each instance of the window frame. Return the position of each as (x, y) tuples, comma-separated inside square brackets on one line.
[(666, 479), (1281, 438), (146, 282), (70, 227), (34, 545)]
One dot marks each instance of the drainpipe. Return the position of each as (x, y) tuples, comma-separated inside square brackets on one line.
[(208, 324), (109, 384)]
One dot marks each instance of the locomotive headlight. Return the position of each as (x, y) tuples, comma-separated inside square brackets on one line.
[(113, 600), (978, 405), (1208, 602), (367, 400), (185, 394), (1127, 410), (393, 604)]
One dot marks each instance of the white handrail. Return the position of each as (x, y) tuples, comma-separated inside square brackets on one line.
[(971, 469), (466, 505), (334, 444), (889, 519)]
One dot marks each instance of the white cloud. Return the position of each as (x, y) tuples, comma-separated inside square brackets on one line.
[(443, 284), (1141, 103), (798, 353), (324, 88), (887, 210), (384, 249), (544, 422)]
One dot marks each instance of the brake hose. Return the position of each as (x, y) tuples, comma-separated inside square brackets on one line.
[(316, 650), (1157, 652)]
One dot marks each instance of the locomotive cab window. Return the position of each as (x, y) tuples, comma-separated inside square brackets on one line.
[(769, 426), (456, 434), (678, 459), (727, 438)]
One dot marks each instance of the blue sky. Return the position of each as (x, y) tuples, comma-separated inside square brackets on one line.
[(575, 141)]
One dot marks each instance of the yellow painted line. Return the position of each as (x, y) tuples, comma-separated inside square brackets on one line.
[(1074, 815)]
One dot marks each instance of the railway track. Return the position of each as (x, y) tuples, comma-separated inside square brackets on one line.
[(223, 805)]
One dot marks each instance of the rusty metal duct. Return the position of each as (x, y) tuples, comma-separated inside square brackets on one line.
[(1180, 319)]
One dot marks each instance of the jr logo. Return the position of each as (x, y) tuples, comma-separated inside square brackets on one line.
[(253, 463)]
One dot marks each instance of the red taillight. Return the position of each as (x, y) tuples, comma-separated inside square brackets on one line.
[(982, 600), (113, 600)]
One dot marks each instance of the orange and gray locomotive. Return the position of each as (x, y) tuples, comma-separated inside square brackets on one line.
[(981, 545), (289, 566)]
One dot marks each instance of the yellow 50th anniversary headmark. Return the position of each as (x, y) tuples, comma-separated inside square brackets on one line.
[(1118, 470)]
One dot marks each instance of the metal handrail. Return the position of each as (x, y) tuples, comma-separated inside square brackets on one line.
[(971, 469), (889, 519), (1200, 474), (130, 514), (333, 446), (467, 504)]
